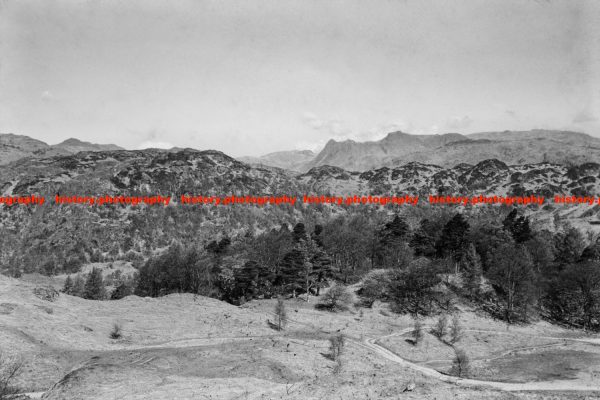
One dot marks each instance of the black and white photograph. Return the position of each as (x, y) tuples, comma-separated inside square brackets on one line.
[(299, 199)]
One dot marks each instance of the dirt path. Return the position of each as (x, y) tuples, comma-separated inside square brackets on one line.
[(554, 385), (372, 345)]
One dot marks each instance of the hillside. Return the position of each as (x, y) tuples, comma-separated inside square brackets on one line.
[(178, 346), (15, 147), (75, 232), (75, 146), (488, 177), (71, 232)]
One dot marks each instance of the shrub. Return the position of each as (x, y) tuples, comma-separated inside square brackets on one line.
[(121, 291), (337, 298), (47, 293), (412, 290), (374, 288), (116, 332)]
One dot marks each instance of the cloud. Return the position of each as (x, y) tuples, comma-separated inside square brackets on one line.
[(382, 130), (152, 139), (47, 96), (334, 128), (459, 123), (149, 144), (584, 116), (312, 120), (337, 130), (315, 146)]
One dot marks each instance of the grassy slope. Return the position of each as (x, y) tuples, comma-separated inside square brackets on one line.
[(183, 347)]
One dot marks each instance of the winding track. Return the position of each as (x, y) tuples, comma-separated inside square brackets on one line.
[(553, 385), (371, 344)]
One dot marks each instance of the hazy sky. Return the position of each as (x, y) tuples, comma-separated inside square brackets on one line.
[(253, 76)]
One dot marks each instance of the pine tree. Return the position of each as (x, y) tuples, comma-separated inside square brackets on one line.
[(94, 286), (392, 239), (510, 220), (253, 280), (290, 272), (310, 270), (423, 240), (299, 232), (395, 230), (68, 286), (246, 279), (316, 236), (321, 269), (517, 226), (454, 239), (298, 267)]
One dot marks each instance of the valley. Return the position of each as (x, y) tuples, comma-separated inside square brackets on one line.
[(180, 301)]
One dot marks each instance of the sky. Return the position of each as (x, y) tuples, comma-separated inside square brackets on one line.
[(250, 77)]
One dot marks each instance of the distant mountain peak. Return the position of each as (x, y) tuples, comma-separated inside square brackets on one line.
[(73, 142), (74, 145)]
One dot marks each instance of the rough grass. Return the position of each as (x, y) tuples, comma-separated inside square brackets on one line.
[(186, 348), (567, 362)]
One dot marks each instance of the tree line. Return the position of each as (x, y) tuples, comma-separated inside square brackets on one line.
[(497, 261)]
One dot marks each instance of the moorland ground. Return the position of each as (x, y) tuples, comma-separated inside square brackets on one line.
[(188, 347)]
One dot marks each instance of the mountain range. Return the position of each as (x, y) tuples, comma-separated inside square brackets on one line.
[(447, 150), (396, 149)]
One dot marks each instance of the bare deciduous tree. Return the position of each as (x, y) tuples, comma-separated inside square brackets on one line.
[(439, 330), (9, 370), (417, 330), (460, 365), (280, 314), (456, 329), (336, 348)]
